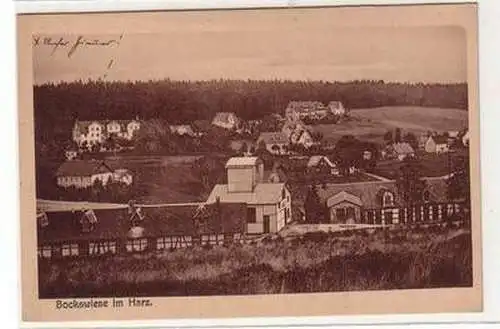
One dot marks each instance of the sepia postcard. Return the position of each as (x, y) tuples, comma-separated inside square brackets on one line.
[(241, 163)]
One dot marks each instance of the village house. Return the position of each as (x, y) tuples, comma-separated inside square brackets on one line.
[(87, 232), (226, 120), (437, 144), (337, 108), (275, 142), (306, 109), (71, 154), (94, 132), (303, 138), (320, 164), (183, 130), (399, 151), (268, 204), (84, 173), (378, 202)]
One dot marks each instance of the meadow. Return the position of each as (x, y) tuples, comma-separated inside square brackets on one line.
[(315, 262), (372, 123)]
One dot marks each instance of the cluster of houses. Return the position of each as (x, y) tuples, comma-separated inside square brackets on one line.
[(431, 143), (248, 204), (85, 173)]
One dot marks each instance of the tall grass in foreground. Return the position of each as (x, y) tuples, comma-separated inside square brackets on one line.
[(317, 262)]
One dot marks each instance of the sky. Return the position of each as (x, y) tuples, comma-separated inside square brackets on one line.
[(296, 50)]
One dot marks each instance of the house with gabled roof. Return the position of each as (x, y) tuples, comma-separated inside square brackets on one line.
[(306, 109), (84, 173), (268, 204), (399, 151), (226, 120), (275, 142), (322, 164), (97, 131), (357, 202), (336, 108), (162, 228), (437, 144)]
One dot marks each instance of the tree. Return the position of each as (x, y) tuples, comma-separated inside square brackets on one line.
[(459, 181), (315, 211), (275, 148), (409, 181), (388, 138), (397, 135), (411, 139)]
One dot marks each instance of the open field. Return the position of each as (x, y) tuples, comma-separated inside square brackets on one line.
[(372, 123), (315, 262)]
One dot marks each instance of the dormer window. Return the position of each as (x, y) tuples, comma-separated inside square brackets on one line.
[(387, 199)]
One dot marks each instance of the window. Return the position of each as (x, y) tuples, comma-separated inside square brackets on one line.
[(387, 199), (136, 245), (68, 250), (340, 213), (426, 196), (350, 213), (283, 194), (251, 215), (45, 252), (102, 247)]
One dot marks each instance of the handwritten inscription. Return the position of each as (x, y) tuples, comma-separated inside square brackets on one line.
[(72, 46)]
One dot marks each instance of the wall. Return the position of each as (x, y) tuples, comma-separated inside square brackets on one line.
[(333, 214), (240, 179)]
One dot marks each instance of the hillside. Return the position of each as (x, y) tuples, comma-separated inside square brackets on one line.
[(415, 118), (372, 123)]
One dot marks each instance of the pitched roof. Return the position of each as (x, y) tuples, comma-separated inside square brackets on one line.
[(402, 148), (367, 192), (178, 220), (82, 168), (242, 162), (83, 126), (224, 117), (263, 193), (440, 139), (273, 138), (341, 197), (315, 160), (306, 106), (335, 105)]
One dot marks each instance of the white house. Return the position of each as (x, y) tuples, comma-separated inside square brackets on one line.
[(268, 204), (93, 132), (336, 107), (437, 144), (226, 120), (276, 142), (84, 173)]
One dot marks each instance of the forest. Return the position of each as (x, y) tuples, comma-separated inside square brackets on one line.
[(58, 105)]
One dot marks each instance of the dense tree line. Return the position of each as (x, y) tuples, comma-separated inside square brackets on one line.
[(58, 105)]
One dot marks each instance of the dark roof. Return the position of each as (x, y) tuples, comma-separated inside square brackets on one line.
[(273, 138), (440, 139), (178, 220), (82, 168), (369, 192)]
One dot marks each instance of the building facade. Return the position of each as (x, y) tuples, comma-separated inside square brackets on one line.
[(96, 132), (268, 204)]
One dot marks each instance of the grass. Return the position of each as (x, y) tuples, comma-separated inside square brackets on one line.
[(371, 124), (315, 262)]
